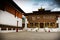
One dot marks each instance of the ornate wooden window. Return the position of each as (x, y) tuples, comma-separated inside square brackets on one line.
[(31, 24), (48, 17), (33, 18), (38, 17)]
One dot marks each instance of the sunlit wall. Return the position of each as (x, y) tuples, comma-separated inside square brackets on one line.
[(7, 18)]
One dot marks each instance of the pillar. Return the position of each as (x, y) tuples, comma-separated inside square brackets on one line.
[(49, 25), (59, 25), (7, 29), (38, 26), (44, 27), (0, 29), (11, 28), (44, 24), (55, 25), (33, 24), (25, 23), (17, 26), (58, 21)]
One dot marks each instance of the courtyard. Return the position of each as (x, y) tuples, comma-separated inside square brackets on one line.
[(23, 35)]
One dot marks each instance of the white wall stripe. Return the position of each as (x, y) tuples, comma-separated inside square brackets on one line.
[(9, 19)]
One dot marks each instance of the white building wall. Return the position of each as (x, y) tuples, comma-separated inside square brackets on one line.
[(9, 19), (59, 21), (26, 22)]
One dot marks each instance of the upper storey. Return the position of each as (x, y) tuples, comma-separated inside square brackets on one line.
[(12, 7), (43, 12)]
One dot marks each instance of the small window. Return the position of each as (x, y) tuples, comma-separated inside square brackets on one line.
[(33, 18), (31, 24), (3, 28), (38, 17)]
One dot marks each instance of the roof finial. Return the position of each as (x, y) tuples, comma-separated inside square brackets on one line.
[(41, 7)]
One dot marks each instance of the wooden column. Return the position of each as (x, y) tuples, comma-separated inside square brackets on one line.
[(55, 25), (33, 24), (7, 29), (0, 29), (38, 25), (49, 25), (11, 28), (44, 24), (25, 23)]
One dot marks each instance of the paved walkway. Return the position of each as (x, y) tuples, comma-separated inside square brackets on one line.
[(30, 36)]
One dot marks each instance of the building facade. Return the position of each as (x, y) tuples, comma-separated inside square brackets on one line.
[(43, 19), (10, 15)]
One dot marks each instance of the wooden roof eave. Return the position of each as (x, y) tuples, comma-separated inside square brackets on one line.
[(16, 6)]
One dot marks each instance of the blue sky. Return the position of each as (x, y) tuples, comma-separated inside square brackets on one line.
[(33, 5)]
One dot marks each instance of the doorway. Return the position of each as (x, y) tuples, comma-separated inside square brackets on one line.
[(41, 25)]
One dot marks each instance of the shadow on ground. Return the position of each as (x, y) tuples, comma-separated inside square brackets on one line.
[(58, 38), (1, 36)]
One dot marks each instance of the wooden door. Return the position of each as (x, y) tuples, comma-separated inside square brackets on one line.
[(41, 25)]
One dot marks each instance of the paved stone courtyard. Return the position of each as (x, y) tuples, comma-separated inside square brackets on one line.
[(30, 36)]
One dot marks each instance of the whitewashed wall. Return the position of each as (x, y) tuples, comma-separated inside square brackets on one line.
[(59, 21), (26, 22), (9, 19)]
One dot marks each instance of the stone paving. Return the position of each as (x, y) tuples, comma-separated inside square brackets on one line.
[(30, 36)]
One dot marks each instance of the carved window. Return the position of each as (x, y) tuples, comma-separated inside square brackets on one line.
[(38, 17), (48, 17), (33, 18), (31, 24)]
